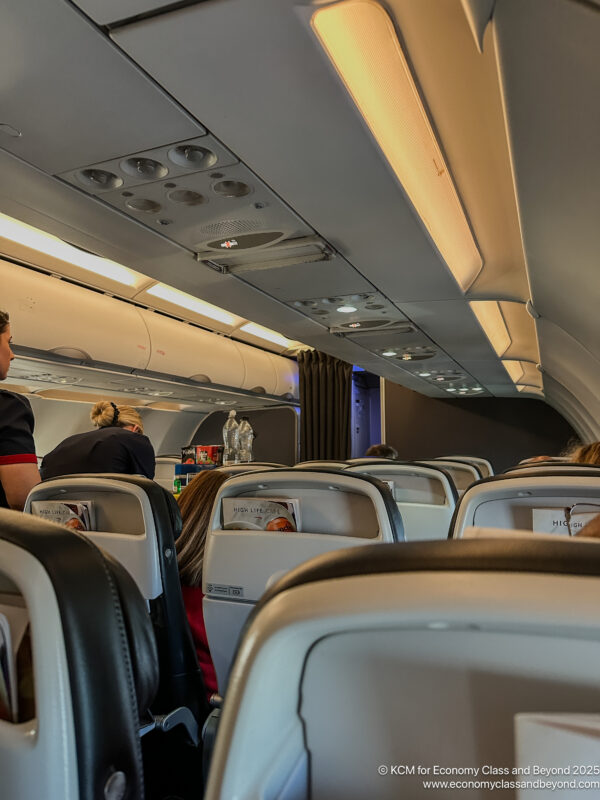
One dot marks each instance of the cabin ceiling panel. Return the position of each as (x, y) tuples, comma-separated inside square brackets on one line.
[(451, 322), (39, 200), (75, 98), (105, 12), (315, 152), (190, 211), (321, 279), (548, 54)]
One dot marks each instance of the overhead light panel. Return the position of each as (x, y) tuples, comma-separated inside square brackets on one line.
[(42, 242), (194, 304), (523, 373), (266, 334), (490, 317), (359, 38), (514, 369)]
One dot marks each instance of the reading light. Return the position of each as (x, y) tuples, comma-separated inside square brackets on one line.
[(346, 309), (184, 300), (26, 235), (265, 333), (389, 353), (424, 374), (359, 38), (489, 316)]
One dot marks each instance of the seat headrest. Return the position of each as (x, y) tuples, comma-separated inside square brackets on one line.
[(561, 556)]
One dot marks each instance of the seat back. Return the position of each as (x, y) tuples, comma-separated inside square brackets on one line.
[(416, 655), (368, 460), (337, 510), (461, 473), (543, 466), (250, 466), (425, 496), (553, 501), (137, 521), (483, 465), (322, 464), (164, 473), (94, 667)]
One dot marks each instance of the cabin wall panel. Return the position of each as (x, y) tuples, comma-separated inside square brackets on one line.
[(503, 429)]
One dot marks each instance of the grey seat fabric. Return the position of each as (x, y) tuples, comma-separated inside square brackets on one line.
[(338, 510), (521, 500), (425, 495), (463, 474), (417, 654), (483, 465)]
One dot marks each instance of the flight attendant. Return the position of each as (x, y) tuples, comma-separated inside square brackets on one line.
[(18, 463), (118, 445)]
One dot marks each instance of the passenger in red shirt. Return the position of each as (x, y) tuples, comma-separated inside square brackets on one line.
[(195, 503), (18, 462)]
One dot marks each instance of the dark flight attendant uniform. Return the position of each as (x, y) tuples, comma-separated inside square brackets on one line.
[(111, 449), (16, 433)]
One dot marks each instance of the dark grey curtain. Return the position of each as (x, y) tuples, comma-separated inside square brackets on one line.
[(325, 392)]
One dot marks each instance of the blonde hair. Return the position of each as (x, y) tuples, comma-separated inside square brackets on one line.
[(195, 503), (587, 454), (106, 414)]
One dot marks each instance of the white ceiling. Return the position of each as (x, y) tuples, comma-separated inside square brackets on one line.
[(518, 123)]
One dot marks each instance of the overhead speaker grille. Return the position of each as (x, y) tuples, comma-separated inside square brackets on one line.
[(228, 227)]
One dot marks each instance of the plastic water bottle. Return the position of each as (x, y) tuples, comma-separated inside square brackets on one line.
[(231, 440), (246, 438)]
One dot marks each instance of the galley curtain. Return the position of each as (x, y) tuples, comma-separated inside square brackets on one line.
[(325, 391)]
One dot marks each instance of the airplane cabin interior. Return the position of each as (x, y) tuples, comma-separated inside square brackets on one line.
[(353, 223)]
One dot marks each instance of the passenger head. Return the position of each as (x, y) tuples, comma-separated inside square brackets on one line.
[(382, 451), (109, 415), (195, 503), (536, 459), (592, 529), (6, 354), (587, 454)]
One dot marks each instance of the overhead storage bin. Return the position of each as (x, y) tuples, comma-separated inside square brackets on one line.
[(190, 352), (260, 375), (58, 317), (52, 315), (287, 376)]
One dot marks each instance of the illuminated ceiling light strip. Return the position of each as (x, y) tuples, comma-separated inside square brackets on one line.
[(490, 317), (359, 38), (524, 387), (514, 369), (265, 333), (184, 300), (35, 239)]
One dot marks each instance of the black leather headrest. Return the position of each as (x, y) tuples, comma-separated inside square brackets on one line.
[(109, 647), (481, 555)]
